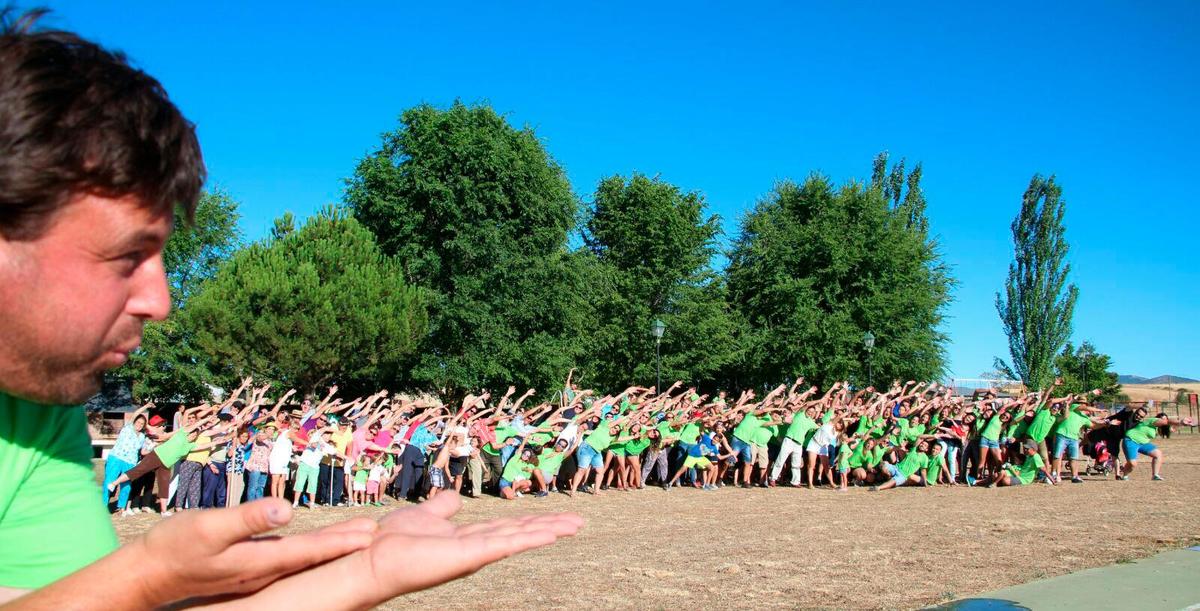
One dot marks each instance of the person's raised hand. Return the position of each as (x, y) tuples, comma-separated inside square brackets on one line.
[(218, 551), (415, 548)]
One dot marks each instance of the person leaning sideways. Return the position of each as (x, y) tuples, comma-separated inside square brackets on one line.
[(94, 162)]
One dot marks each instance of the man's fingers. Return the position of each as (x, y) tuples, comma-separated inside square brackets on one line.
[(562, 524), (365, 525), (223, 527), (275, 558), (444, 505)]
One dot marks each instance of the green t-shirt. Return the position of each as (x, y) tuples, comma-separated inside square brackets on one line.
[(1072, 423), (52, 522), (516, 469), (746, 429), (856, 456), (690, 434), (912, 463), (173, 449), (599, 439), (540, 439), (762, 436), (875, 456), (935, 467), (1043, 419), (550, 461), (1028, 469), (800, 427), (361, 474), (503, 433), (637, 446), (1144, 431), (843, 457), (991, 431)]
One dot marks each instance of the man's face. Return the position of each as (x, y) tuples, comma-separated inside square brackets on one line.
[(75, 299)]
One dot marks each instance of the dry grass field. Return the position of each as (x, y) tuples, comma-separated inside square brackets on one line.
[(1157, 392), (817, 549)]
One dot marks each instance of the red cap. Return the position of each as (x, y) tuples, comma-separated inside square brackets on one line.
[(156, 420)]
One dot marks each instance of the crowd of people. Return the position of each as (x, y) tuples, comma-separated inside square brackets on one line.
[(326, 451)]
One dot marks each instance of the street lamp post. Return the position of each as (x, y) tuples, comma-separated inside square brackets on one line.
[(869, 344), (657, 329)]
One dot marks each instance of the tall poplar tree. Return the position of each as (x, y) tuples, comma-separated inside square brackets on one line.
[(1037, 304)]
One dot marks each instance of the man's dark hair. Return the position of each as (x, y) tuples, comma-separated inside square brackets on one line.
[(78, 119)]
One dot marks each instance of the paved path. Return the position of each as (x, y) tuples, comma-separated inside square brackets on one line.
[(1170, 580)]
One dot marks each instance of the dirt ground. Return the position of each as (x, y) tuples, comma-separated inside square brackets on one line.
[(817, 549), (1158, 392)]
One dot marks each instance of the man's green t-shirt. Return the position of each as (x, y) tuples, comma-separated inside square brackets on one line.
[(762, 437), (52, 521), (1028, 469), (800, 427), (746, 429), (1072, 423), (912, 463), (1144, 431)]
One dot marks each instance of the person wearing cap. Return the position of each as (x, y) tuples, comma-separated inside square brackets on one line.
[(1027, 472)]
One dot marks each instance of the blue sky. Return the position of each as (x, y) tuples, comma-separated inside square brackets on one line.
[(727, 99)]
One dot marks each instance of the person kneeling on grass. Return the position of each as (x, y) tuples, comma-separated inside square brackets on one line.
[(909, 470), (515, 478), (1025, 473), (1138, 438)]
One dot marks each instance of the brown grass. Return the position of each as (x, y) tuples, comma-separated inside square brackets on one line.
[(818, 549), (1157, 392)]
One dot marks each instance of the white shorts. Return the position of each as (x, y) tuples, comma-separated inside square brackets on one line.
[(359, 487), (279, 467)]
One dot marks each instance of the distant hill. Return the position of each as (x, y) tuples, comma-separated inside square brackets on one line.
[(1163, 379), (1170, 380)]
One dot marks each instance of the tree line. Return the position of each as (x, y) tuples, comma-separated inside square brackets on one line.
[(460, 258)]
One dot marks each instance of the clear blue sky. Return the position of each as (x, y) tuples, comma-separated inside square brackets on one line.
[(728, 99)]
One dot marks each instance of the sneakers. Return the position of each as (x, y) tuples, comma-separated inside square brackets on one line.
[(971, 481), (874, 488), (166, 514), (1157, 478), (127, 513), (1122, 478), (541, 494), (1076, 480)]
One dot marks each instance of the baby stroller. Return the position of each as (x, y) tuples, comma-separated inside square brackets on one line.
[(1102, 461)]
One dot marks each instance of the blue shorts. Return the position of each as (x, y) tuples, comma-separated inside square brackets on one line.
[(587, 457), (894, 473), (505, 483), (988, 443), (1133, 448), (742, 449), (1062, 444)]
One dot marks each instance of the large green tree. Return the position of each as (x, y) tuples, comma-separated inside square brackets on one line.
[(816, 266), (168, 365), (1037, 304), (477, 213), (308, 307), (1084, 369), (654, 245)]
